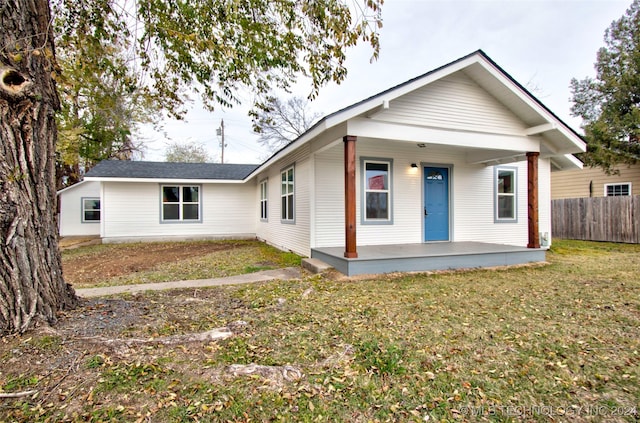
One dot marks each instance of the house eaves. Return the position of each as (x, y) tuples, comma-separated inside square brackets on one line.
[(560, 139), (166, 172), (70, 187), (565, 162), (165, 180)]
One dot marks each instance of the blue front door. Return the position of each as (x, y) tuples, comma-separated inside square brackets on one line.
[(436, 204)]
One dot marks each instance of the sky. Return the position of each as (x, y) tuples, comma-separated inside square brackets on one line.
[(543, 44)]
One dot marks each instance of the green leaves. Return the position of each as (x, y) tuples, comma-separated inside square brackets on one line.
[(216, 47), (122, 63), (103, 99), (610, 104)]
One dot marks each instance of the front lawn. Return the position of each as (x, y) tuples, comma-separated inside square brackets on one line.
[(148, 262), (558, 342)]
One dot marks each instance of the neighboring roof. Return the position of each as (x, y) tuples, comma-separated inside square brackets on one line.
[(108, 169), (486, 73)]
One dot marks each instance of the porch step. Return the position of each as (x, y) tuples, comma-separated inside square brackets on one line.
[(315, 265)]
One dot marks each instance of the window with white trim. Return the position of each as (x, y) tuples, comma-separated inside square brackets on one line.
[(263, 200), (91, 210), (617, 190), (377, 190), (180, 203), (506, 194), (287, 194)]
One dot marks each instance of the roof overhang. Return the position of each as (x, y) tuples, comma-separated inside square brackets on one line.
[(548, 134), (565, 162), (164, 180), (556, 136), (71, 187)]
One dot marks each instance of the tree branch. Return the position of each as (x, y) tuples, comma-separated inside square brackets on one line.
[(17, 394)]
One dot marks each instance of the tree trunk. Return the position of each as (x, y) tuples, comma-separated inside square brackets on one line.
[(31, 287)]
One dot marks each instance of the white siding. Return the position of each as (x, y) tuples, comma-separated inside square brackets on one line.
[(70, 218), (454, 102), (474, 207), (329, 201), (544, 197), (132, 210), (406, 195), (471, 196), (287, 236)]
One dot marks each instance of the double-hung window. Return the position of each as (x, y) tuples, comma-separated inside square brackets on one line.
[(180, 203), (617, 190), (287, 194), (90, 210), (377, 190), (263, 200), (505, 194)]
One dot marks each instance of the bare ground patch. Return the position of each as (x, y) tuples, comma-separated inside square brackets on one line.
[(131, 258)]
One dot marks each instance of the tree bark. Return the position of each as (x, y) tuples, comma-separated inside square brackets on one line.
[(32, 287)]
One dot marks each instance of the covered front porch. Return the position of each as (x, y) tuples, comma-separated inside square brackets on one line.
[(374, 259)]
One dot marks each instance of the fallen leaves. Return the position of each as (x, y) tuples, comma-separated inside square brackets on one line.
[(398, 347)]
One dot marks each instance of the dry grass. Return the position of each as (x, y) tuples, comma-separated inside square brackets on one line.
[(138, 263), (545, 343)]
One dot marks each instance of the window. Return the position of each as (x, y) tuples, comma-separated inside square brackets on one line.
[(377, 190), (616, 190), (505, 194), (287, 194), (435, 175), (180, 203), (263, 200), (91, 210)]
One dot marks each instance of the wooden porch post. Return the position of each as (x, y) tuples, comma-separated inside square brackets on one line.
[(532, 199), (350, 195)]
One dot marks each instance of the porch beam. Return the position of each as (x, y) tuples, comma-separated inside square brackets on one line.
[(545, 127), (351, 250), (373, 128), (495, 157), (532, 199), (379, 109)]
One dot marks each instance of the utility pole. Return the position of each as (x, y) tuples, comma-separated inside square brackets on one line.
[(220, 131)]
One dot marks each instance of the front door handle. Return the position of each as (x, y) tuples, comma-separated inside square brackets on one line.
[(425, 212)]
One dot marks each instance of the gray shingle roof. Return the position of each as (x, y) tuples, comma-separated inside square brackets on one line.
[(165, 170)]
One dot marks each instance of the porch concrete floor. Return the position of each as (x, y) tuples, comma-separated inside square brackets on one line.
[(375, 259)]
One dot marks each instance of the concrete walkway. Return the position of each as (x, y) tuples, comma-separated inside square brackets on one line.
[(267, 275)]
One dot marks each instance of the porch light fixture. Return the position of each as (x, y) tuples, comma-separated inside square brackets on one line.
[(414, 166)]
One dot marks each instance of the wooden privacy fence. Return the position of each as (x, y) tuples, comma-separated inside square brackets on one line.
[(614, 219)]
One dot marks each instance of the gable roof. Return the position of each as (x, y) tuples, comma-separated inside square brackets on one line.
[(487, 74), (134, 170), (560, 140), (70, 187)]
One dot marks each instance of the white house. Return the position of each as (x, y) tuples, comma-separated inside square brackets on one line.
[(79, 209), (450, 169)]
